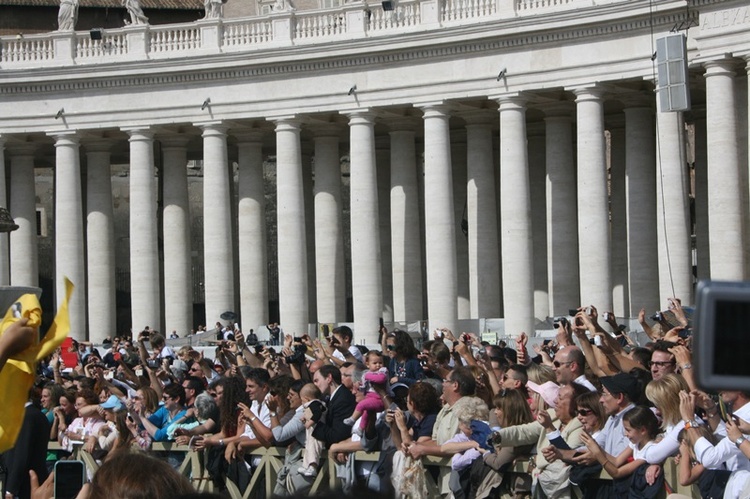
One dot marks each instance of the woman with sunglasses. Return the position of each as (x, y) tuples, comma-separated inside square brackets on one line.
[(404, 366)]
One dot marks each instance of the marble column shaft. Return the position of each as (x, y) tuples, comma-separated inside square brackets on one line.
[(218, 244), (620, 294), (640, 194), (178, 268), (69, 245), (594, 249), (724, 195), (292, 240), (406, 235), (537, 186), (252, 233), (702, 244), (383, 162), (4, 243), (145, 286), (100, 242), (515, 211), (24, 259), (484, 257), (329, 232), (365, 229), (562, 220), (440, 235), (673, 210)]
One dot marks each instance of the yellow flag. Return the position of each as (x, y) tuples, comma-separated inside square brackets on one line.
[(18, 374)]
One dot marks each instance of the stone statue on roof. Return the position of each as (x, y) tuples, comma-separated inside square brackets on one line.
[(67, 16), (283, 6), (135, 12), (214, 9)]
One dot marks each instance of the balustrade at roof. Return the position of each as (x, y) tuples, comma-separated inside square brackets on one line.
[(146, 4)]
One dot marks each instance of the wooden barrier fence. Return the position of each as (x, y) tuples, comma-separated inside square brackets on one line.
[(272, 459)]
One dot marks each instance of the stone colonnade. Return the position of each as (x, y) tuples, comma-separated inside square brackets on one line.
[(541, 208)]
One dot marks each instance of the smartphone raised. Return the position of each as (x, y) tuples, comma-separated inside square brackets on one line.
[(69, 479)]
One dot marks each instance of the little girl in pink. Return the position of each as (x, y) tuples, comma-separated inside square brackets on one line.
[(372, 403)]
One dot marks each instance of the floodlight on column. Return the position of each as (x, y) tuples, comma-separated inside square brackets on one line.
[(672, 69)]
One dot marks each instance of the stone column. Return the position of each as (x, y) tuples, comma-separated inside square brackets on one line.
[(252, 231), (24, 262), (100, 241), (69, 246), (144, 245), (515, 211), (458, 167), (617, 163), (562, 219), (440, 232), (702, 245), (365, 228), (724, 187), (481, 196), (329, 232), (292, 245), (537, 173), (218, 246), (4, 243), (743, 117), (406, 234), (640, 194), (307, 152), (594, 253), (673, 210), (383, 162), (178, 268)]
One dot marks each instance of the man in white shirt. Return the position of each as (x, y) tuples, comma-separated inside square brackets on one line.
[(570, 364), (343, 348)]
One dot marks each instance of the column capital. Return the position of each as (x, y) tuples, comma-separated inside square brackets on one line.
[(212, 128), (65, 138), (720, 67), (510, 100), (326, 130), (561, 109), (478, 117), (2, 140), (289, 123), (139, 133), (405, 124), (435, 110), (639, 99), (361, 117), (585, 93), (97, 144), (21, 148), (173, 141), (248, 136)]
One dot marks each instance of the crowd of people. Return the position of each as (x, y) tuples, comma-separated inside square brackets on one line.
[(591, 400)]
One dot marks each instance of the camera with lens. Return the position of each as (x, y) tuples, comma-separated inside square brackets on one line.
[(495, 439), (656, 317), (560, 321)]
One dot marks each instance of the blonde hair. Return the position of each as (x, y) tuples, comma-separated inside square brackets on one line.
[(473, 408), (664, 393), (540, 374)]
